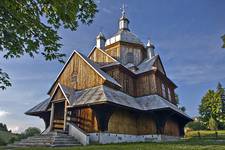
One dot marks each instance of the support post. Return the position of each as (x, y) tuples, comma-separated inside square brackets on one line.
[(103, 115), (161, 118), (65, 115), (52, 116)]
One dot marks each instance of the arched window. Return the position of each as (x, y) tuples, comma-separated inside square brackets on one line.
[(130, 57)]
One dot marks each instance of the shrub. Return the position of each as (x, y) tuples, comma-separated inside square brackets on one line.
[(2, 142), (196, 125), (212, 124)]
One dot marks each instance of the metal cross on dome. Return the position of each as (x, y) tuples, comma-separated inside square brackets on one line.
[(123, 9)]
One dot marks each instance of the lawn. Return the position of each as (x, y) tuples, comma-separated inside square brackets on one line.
[(206, 134), (191, 144), (207, 141)]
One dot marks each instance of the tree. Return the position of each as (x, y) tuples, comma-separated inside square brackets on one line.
[(3, 127), (212, 124), (4, 80), (211, 108), (223, 38), (196, 125), (219, 87), (178, 103), (31, 131), (31, 27)]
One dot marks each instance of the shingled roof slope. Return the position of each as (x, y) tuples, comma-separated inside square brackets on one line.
[(95, 66), (104, 94), (41, 107)]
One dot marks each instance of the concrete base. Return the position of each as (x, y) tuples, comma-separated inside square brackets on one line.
[(106, 138)]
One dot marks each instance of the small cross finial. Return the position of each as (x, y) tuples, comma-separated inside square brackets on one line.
[(123, 10)]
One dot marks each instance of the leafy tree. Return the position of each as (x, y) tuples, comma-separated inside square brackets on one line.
[(3, 127), (31, 27), (219, 87), (178, 103), (213, 124), (31, 131), (4, 80), (211, 108)]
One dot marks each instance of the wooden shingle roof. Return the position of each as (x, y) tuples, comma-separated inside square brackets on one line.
[(104, 94)]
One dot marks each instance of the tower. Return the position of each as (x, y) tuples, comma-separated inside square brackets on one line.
[(150, 50), (100, 41)]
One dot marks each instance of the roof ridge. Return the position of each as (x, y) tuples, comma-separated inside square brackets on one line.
[(102, 52), (96, 67)]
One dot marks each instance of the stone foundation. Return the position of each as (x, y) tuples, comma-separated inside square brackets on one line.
[(106, 138)]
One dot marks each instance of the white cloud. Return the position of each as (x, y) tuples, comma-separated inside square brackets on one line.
[(15, 129), (3, 113), (197, 73)]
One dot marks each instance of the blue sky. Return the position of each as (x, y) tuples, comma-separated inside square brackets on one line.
[(186, 34)]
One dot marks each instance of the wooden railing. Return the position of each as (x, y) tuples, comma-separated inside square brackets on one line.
[(58, 124)]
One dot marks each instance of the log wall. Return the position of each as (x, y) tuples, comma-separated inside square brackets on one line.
[(86, 76), (119, 51), (101, 57), (124, 79), (168, 86), (128, 122), (171, 128), (145, 84), (58, 95), (85, 119)]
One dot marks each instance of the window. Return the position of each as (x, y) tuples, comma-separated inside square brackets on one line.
[(169, 94), (130, 57), (163, 90)]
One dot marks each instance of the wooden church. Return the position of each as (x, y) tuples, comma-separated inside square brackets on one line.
[(120, 92)]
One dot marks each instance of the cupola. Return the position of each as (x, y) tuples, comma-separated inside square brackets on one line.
[(123, 22), (100, 41), (150, 49)]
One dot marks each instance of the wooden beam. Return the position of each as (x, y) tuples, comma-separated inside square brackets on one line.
[(103, 114)]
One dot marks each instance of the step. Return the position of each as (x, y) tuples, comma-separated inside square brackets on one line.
[(65, 145), (52, 139)]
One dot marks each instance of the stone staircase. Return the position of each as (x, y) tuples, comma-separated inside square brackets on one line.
[(52, 139)]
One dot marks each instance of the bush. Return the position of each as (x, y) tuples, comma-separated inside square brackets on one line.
[(12, 140), (2, 142), (31, 131), (213, 124), (196, 125)]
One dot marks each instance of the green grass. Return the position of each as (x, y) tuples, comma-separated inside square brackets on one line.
[(206, 134), (191, 144), (206, 142)]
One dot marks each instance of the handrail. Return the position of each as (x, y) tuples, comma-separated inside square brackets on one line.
[(73, 124), (78, 134), (46, 130)]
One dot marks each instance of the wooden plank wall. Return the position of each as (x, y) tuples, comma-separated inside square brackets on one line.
[(124, 79), (85, 119), (100, 57), (159, 66), (58, 95), (159, 81), (119, 51), (145, 84), (86, 76), (171, 128), (128, 122)]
